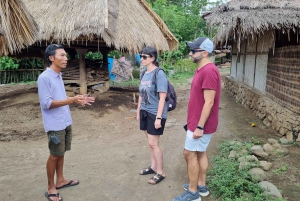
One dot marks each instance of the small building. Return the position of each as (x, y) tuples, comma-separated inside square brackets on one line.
[(97, 25), (265, 64)]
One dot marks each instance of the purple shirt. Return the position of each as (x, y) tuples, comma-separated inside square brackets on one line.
[(51, 87)]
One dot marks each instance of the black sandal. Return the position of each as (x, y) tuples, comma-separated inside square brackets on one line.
[(148, 170), (158, 179)]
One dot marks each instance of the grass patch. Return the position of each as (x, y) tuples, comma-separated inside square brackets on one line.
[(227, 182)]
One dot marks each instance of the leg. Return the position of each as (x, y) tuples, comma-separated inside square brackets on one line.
[(193, 169), (156, 153), (153, 161), (51, 167), (203, 164)]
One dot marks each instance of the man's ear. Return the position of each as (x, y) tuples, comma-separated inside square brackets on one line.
[(51, 58)]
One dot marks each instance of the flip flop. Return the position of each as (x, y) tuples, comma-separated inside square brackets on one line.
[(68, 184), (52, 195)]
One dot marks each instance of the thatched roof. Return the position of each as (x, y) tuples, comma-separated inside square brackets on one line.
[(17, 28), (123, 24), (240, 19)]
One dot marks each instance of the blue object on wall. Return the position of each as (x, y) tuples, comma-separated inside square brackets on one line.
[(110, 62), (138, 59)]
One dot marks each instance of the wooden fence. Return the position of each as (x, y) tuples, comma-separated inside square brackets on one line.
[(19, 75)]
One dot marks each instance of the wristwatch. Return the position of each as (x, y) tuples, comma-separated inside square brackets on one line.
[(201, 128), (158, 118)]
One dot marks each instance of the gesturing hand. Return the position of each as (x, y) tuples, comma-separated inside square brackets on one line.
[(83, 99)]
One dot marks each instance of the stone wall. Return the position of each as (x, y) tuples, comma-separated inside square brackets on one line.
[(272, 114)]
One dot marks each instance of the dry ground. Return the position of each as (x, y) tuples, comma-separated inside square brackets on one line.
[(108, 149)]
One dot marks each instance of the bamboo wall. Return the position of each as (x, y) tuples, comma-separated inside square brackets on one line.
[(283, 77)]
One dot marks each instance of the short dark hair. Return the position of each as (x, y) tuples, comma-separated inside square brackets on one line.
[(51, 50), (151, 51)]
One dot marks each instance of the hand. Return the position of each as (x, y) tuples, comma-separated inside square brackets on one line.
[(87, 99), (83, 100), (138, 115), (197, 133), (157, 123)]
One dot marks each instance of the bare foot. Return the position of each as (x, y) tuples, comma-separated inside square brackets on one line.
[(67, 183), (53, 195)]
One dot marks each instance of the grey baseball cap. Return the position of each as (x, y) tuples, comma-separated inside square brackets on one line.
[(202, 43)]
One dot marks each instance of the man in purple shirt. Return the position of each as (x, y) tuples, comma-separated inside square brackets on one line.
[(57, 118)]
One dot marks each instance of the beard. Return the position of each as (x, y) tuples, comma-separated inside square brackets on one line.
[(196, 59)]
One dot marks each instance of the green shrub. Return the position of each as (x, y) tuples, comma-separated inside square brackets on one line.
[(228, 183)]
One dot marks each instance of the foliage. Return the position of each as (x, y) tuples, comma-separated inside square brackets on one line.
[(227, 182), (115, 54), (7, 63), (94, 56)]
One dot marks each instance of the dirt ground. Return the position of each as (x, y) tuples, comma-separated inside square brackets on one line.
[(108, 149)]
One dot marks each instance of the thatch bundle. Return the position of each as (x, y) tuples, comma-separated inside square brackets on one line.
[(241, 19), (17, 28), (124, 24)]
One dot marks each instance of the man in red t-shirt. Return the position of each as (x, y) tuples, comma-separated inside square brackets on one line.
[(202, 118)]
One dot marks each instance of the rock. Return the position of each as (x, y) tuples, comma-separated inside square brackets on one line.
[(121, 108), (268, 148), (170, 123), (232, 143), (247, 158), (243, 152), (277, 146), (133, 110), (265, 165), (171, 120), (243, 165), (257, 148), (284, 141), (257, 174), (232, 154), (270, 189), (283, 151), (261, 154)]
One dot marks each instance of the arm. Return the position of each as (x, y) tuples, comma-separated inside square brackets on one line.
[(59, 103), (161, 105), (138, 109), (209, 96)]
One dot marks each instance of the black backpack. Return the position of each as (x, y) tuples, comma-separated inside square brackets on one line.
[(171, 99)]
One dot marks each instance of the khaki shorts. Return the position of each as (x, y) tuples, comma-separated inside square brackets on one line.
[(65, 136)]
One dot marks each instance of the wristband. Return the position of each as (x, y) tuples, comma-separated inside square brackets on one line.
[(158, 118), (201, 128)]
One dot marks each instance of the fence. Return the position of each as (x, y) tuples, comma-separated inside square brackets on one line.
[(19, 75)]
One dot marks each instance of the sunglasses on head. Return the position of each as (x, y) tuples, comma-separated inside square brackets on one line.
[(194, 51), (143, 56)]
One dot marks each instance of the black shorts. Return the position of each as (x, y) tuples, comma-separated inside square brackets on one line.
[(147, 123)]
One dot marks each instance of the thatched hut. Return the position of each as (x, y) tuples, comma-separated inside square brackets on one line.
[(17, 28), (264, 76), (99, 25)]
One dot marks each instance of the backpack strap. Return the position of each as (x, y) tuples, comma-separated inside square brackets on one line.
[(142, 75), (154, 79)]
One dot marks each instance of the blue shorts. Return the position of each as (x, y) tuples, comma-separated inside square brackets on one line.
[(199, 144)]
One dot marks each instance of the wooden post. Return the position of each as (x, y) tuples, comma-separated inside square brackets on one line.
[(45, 60), (105, 61), (82, 71)]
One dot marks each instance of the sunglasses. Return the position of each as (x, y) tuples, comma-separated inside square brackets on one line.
[(194, 51), (144, 56)]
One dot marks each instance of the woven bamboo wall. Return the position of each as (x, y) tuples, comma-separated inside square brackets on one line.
[(283, 77)]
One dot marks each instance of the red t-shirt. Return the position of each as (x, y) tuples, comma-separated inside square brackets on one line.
[(208, 77)]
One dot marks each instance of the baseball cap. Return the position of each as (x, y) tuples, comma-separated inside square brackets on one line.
[(202, 43)]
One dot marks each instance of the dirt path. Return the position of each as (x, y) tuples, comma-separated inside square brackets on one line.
[(108, 150)]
